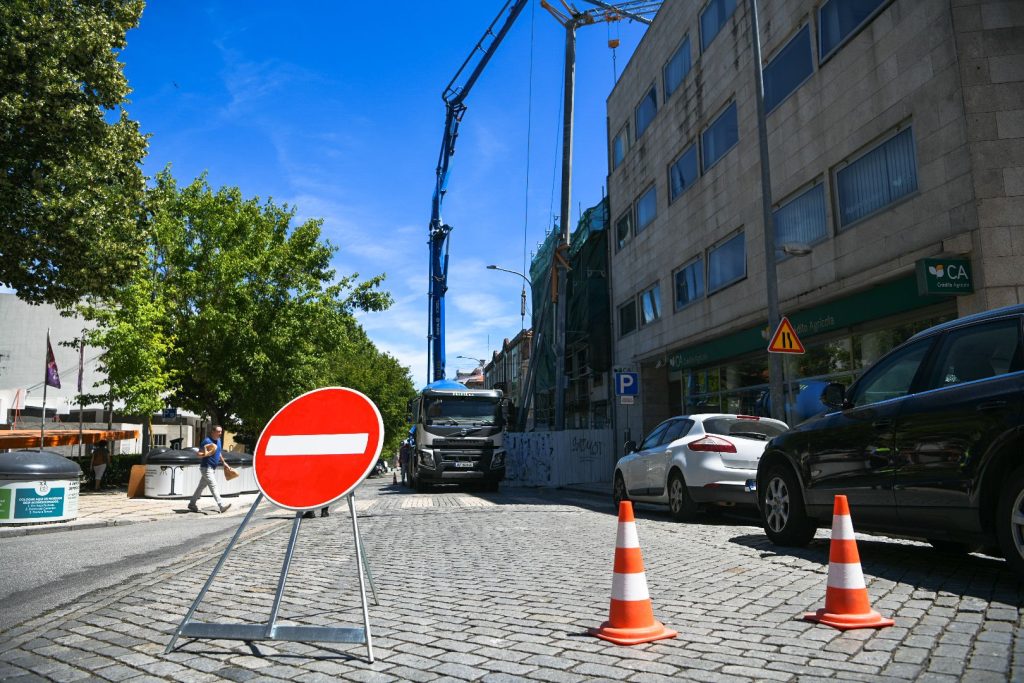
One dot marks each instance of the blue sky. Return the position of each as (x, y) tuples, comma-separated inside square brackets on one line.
[(335, 108)]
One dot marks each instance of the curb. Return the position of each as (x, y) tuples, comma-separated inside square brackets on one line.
[(71, 526)]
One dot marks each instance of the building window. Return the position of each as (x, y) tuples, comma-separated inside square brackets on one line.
[(839, 20), (623, 229), (677, 68), (877, 179), (801, 219), (788, 69), (646, 208), (159, 439), (646, 110), (627, 318), (720, 136), (727, 263), (689, 283), (650, 305), (713, 18), (620, 145), (682, 174)]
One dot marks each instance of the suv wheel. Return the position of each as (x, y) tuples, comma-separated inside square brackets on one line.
[(783, 516), (680, 504), (1010, 521), (619, 493)]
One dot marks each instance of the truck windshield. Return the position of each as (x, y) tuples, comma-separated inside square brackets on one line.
[(463, 411)]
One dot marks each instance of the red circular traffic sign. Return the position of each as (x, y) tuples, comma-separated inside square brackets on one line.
[(318, 447)]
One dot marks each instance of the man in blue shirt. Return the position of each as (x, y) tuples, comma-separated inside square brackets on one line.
[(209, 451)]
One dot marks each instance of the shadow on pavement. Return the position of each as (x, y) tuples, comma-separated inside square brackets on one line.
[(919, 565)]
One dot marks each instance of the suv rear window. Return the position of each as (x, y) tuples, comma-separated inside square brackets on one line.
[(738, 426), (978, 352)]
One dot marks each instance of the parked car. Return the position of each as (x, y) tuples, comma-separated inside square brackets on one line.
[(928, 443), (691, 460)]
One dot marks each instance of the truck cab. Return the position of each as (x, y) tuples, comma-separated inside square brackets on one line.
[(458, 436)]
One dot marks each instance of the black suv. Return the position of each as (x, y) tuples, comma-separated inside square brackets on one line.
[(927, 443)]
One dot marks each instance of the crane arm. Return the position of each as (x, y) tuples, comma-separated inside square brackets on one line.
[(454, 96)]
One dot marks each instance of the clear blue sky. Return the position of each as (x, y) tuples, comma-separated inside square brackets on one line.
[(335, 108)]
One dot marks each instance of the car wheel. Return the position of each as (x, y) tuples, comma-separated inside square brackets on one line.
[(783, 516), (619, 493), (680, 504), (1010, 521)]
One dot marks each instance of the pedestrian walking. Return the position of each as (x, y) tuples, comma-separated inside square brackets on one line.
[(210, 452), (403, 461), (100, 462)]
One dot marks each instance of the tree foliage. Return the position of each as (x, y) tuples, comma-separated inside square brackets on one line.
[(70, 182), (258, 313)]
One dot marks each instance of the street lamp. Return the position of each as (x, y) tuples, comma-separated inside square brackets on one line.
[(522, 299), (481, 361)]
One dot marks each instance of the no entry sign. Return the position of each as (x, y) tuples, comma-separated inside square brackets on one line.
[(318, 448)]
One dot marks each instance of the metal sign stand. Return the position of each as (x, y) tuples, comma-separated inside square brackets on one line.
[(272, 630)]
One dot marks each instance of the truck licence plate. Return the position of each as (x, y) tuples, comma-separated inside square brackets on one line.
[(463, 464)]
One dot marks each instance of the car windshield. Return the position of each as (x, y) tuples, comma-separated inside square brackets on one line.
[(743, 427), (483, 412)]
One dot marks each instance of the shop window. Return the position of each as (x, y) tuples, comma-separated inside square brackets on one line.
[(627, 318), (877, 179), (620, 145), (727, 263), (689, 283), (839, 20), (646, 208), (801, 219), (650, 305), (720, 136), (682, 174), (713, 18), (788, 69), (623, 228), (677, 68), (646, 110)]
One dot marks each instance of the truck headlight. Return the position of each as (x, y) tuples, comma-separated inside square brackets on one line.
[(427, 458), (498, 459)]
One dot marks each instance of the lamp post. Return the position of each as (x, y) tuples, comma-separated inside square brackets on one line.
[(481, 361), (522, 297)]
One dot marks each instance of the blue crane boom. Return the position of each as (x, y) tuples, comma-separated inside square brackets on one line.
[(454, 97)]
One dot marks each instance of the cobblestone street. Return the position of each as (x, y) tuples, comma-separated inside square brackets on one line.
[(497, 587)]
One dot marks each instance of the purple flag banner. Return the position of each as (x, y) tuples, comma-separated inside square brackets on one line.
[(52, 376)]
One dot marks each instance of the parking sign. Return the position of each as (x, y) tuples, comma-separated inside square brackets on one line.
[(627, 383)]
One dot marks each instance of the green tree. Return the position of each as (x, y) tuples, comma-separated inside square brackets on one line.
[(252, 299), (70, 182)]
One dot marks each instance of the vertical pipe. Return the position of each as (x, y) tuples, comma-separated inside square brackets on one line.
[(565, 216), (771, 278)]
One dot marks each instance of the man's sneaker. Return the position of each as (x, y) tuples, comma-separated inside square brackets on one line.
[(308, 514), (325, 512), (225, 508), (192, 508)]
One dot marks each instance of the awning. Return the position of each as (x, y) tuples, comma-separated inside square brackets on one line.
[(29, 438)]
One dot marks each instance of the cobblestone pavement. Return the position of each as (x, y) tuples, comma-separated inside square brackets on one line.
[(502, 587)]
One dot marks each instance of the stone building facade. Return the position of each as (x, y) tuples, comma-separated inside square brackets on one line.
[(895, 135)]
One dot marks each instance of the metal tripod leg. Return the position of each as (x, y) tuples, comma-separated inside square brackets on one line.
[(213, 574), (283, 579), (366, 561), (362, 581)]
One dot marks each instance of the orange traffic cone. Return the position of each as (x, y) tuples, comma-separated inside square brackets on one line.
[(846, 595), (631, 618)]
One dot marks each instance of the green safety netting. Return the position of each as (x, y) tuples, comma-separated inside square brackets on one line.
[(588, 324)]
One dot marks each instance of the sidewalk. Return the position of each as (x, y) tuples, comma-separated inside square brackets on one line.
[(113, 507)]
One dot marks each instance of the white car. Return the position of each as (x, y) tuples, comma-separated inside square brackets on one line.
[(694, 459)]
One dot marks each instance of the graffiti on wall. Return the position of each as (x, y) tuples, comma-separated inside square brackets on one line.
[(529, 458), (558, 458)]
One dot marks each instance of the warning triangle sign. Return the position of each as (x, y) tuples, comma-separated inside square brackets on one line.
[(785, 340)]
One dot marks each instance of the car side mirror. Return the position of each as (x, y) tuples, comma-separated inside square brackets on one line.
[(630, 447), (834, 396)]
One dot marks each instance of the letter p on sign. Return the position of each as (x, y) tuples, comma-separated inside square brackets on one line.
[(626, 384)]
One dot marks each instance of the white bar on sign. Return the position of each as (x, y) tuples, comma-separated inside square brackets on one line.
[(318, 444)]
